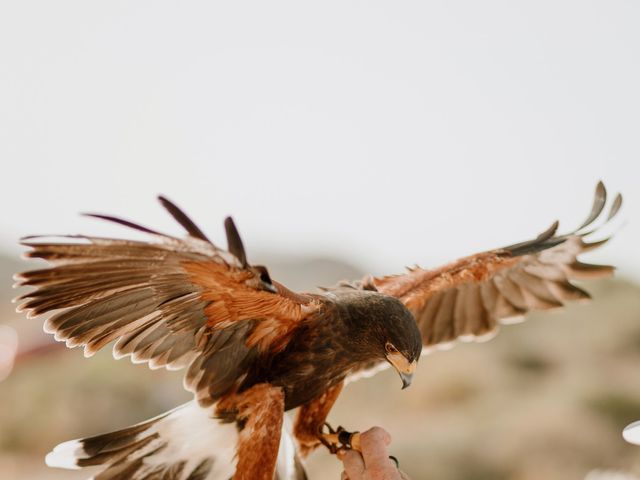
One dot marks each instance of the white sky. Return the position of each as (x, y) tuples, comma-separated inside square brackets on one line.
[(387, 132)]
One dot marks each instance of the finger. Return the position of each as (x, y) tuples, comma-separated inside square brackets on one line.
[(353, 464), (374, 449), (344, 476)]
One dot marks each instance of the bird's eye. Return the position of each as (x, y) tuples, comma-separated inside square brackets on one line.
[(264, 274), (390, 348)]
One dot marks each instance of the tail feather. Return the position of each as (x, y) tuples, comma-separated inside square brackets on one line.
[(183, 444), (186, 443)]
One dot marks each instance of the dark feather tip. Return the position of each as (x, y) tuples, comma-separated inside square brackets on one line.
[(234, 242), (123, 222), (182, 218), (615, 207), (599, 200), (548, 233)]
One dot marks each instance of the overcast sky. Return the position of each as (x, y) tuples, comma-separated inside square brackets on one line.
[(386, 132)]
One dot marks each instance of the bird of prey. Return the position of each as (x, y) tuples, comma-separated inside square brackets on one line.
[(253, 349)]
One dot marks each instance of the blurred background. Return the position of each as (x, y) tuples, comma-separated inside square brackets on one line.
[(346, 138)]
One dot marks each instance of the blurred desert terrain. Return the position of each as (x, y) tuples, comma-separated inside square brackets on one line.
[(544, 399)]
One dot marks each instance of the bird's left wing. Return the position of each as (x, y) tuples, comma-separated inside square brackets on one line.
[(469, 298), (171, 302)]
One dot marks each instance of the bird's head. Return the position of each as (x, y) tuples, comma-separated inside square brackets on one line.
[(403, 342), (391, 331), (401, 363)]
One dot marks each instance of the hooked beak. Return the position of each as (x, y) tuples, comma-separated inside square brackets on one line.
[(406, 379), (403, 367)]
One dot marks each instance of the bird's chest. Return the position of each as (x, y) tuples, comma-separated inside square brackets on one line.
[(316, 360)]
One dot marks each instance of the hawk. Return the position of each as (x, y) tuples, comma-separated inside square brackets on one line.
[(252, 349)]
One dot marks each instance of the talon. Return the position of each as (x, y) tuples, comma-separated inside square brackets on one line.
[(328, 426), (339, 439), (327, 439)]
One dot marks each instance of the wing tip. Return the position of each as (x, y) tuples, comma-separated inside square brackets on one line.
[(123, 222), (183, 219), (234, 241), (65, 455)]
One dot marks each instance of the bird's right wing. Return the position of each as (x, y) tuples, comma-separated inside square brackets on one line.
[(169, 302)]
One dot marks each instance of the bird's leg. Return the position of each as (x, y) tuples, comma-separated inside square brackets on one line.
[(260, 412), (311, 419)]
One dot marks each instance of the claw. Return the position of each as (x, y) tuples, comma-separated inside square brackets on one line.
[(339, 439)]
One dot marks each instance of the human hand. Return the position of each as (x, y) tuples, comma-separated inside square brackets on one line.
[(374, 462)]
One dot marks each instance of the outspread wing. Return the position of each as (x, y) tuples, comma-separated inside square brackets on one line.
[(170, 302), (469, 298)]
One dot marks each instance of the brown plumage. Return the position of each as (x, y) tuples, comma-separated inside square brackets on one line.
[(469, 298), (253, 349)]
